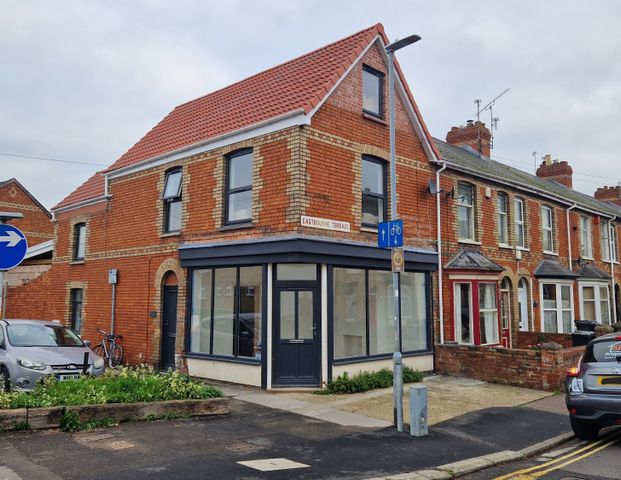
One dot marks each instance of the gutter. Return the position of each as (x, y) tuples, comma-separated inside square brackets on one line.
[(439, 248), (84, 203)]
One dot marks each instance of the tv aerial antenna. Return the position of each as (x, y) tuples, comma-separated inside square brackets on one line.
[(493, 123)]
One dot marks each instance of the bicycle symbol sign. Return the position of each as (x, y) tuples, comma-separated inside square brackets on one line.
[(390, 234)]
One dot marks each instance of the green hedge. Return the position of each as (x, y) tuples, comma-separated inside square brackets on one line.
[(364, 381), (124, 385)]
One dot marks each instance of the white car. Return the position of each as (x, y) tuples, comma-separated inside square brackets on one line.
[(33, 349)]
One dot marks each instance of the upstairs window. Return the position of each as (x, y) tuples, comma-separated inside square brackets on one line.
[(79, 241), (520, 229), (372, 91), (172, 201), (238, 207), (604, 236), (503, 221), (586, 238), (373, 191), (465, 211), (547, 229)]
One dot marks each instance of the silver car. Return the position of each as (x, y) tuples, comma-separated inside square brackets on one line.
[(594, 387), (32, 349)]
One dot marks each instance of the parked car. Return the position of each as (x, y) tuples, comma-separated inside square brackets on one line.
[(594, 387), (33, 349)]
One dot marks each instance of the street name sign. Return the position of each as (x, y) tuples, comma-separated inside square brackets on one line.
[(390, 234), (13, 246)]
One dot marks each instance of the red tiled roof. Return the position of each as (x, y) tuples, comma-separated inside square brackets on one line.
[(297, 85), (92, 188)]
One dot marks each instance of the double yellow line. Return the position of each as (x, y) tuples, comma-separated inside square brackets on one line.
[(561, 462)]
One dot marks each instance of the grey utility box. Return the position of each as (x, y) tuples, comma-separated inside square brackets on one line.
[(418, 411)]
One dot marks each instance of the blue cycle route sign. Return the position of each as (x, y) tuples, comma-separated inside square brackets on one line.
[(390, 234), (13, 247)]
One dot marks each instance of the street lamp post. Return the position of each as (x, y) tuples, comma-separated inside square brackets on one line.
[(397, 357)]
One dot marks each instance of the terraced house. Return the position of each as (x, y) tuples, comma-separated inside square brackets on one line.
[(521, 252), (243, 228)]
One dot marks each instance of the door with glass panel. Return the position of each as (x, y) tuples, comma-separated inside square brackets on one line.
[(297, 359)]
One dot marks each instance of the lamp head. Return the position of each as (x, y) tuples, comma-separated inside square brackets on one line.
[(404, 42)]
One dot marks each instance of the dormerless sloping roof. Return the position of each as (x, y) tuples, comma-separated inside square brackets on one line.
[(472, 260), (469, 161), (298, 85)]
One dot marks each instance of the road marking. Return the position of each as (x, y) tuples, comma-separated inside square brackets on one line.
[(273, 464), (545, 468)]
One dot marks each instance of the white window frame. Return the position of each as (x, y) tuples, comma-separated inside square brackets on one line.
[(520, 240), (503, 218), (488, 310), (586, 237), (597, 298), (604, 238), (547, 230), (457, 313), (559, 304), (470, 207)]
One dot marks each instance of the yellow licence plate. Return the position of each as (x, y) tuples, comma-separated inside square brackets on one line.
[(609, 381)]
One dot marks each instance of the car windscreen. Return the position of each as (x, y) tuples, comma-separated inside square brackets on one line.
[(603, 352), (34, 335)]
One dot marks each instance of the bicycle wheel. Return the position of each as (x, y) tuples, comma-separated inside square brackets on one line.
[(99, 350), (116, 356)]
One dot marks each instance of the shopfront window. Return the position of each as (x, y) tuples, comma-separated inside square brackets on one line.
[(363, 312), (227, 312)]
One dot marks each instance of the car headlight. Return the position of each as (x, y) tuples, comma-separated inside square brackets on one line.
[(32, 365), (98, 363)]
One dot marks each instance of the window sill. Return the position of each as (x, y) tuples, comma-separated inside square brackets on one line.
[(170, 234), (523, 249), (469, 242), (236, 226), (374, 118), (591, 259), (373, 358), (505, 246), (545, 252), (220, 358), (77, 262), (368, 229)]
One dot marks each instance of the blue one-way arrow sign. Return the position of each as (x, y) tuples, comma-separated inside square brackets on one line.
[(390, 234), (13, 247)]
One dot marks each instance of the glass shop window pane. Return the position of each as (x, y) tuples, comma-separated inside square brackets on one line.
[(381, 321), (296, 271), (224, 311), (413, 312), (350, 337), (250, 308), (200, 322)]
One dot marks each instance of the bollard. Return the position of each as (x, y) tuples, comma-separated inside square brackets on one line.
[(418, 411)]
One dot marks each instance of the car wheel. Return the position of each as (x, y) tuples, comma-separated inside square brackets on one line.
[(5, 380), (584, 430)]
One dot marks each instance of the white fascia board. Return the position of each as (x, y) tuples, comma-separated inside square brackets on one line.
[(290, 119), (532, 191), (84, 203), (44, 247)]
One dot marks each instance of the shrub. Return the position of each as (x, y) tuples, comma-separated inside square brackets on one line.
[(364, 381), (125, 385)]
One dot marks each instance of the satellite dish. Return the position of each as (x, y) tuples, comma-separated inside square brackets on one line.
[(433, 187)]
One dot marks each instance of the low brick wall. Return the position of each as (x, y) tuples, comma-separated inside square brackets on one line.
[(39, 418), (524, 339), (537, 369)]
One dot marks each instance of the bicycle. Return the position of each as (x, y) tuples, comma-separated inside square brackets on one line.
[(114, 352)]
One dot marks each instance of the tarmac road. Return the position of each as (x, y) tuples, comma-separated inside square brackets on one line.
[(575, 460), (212, 448)]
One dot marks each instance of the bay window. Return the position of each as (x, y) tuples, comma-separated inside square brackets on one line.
[(595, 302), (480, 325), (557, 307)]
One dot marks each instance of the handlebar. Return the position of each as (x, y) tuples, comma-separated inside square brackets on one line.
[(110, 336)]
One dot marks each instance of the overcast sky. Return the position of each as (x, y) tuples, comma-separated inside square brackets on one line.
[(83, 80)]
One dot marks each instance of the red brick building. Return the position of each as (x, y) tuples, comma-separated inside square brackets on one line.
[(243, 228), (521, 252)]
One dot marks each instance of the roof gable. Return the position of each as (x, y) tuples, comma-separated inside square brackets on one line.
[(36, 202)]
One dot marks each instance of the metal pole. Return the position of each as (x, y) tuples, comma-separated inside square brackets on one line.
[(397, 357), (113, 305), (2, 297)]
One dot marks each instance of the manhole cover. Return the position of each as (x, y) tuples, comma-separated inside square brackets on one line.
[(273, 464)]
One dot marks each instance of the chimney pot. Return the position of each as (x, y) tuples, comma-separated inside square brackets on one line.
[(474, 135)]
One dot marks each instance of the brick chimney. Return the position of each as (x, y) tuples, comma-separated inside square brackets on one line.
[(555, 170), (474, 135), (609, 194)]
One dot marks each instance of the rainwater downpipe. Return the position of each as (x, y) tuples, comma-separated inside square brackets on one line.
[(575, 205), (611, 232), (440, 272)]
